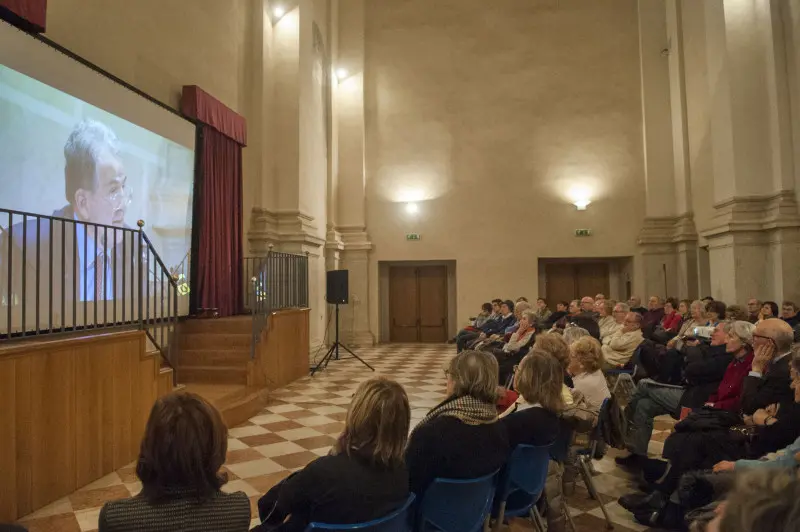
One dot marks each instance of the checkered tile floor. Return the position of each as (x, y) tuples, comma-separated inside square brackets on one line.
[(301, 423)]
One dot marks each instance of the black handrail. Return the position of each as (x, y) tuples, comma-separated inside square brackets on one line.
[(275, 282), (85, 276)]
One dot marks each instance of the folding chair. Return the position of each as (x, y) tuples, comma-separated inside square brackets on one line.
[(585, 456), (455, 505), (521, 483)]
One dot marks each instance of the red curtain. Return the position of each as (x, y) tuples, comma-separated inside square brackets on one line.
[(219, 253), (29, 15)]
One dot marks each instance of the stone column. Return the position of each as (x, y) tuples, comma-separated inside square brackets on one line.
[(666, 259), (350, 236), (753, 240)]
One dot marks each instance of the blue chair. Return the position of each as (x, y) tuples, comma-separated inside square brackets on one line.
[(584, 459), (521, 483), (454, 505), (397, 521)]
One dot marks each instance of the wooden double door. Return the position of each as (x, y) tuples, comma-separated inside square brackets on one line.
[(573, 280), (418, 304)]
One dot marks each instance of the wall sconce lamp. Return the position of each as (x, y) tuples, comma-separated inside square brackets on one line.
[(342, 74), (277, 13), (412, 208), (581, 204)]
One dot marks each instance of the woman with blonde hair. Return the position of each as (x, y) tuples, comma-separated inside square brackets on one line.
[(585, 363), (364, 476), (460, 437), (556, 346)]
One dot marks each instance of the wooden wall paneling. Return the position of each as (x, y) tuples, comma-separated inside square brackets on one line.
[(282, 353), (52, 425), (23, 429), (92, 446), (122, 397), (8, 440)]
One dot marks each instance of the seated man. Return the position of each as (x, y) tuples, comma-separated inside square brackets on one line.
[(727, 359), (618, 348), (789, 313), (493, 315), (636, 305), (768, 381), (561, 311), (753, 309), (491, 327), (574, 310), (653, 316)]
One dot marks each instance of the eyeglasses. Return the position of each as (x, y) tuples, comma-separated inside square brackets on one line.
[(121, 197), (763, 337)]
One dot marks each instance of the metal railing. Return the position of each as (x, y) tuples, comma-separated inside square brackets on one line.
[(61, 275), (277, 281)]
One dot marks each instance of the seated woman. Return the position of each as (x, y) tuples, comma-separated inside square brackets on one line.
[(697, 318), (461, 437), (492, 312), (768, 310), (517, 346), (363, 478), (585, 361), (670, 324), (183, 449), (555, 346)]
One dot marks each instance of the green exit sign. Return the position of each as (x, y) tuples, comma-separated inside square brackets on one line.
[(583, 232), (412, 236)]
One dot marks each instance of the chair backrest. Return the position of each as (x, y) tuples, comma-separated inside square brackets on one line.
[(397, 521), (526, 471), (455, 505)]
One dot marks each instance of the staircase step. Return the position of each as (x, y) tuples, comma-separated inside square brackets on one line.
[(214, 374), (235, 325), (214, 357), (206, 340)]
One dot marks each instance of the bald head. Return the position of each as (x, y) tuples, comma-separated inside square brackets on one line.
[(777, 331)]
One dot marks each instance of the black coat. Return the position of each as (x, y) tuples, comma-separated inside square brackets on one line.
[(705, 367), (772, 387)]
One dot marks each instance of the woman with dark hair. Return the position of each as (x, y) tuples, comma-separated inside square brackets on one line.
[(460, 438), (363, 478), (768, 310), (183, 449)]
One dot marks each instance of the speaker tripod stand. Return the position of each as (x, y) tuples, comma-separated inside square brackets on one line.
[(333, 351)]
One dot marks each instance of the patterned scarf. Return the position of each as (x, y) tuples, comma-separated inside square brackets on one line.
[(467, 409)]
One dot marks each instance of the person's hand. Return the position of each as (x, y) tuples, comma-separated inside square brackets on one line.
[(724, 466), (709, 404), (763, 356), (692, 342), (760, 416), (748, 420), (772, 409)]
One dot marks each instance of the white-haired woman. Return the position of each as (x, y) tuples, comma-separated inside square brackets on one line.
[(460, 438)]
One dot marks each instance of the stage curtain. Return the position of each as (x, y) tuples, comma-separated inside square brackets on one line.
[(30, 15), (219, 253), (202, 107)]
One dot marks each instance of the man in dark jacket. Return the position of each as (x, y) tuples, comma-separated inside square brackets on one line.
[(789, 313), (490, 327), (768, 382), (653, 316), (705, 367)]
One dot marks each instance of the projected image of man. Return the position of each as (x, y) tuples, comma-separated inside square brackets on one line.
[(96, 188)]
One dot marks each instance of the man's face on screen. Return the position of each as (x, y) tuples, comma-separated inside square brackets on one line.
[(106, 204)]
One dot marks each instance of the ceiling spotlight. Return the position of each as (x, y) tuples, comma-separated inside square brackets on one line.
[(412, 208), (279, 11), (341, 73)]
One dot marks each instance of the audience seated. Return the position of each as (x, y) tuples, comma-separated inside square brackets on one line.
[(562, 308), (573, 310), (697, 318), (469, 331), (543, 313), (585, 362), (573, 333), (484, 315), (789, 313), (517, 346), (736, 313), (753, 309), (715, 312), (362, 478), (461, 437), (491, 327), (712, 376), (670, 324), (619, 347), (183, 448), (635, 303), (605, 321), (775, 428), (653, 316), (768, 310)]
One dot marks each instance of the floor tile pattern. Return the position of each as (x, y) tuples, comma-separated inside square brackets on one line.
[(301, 422)]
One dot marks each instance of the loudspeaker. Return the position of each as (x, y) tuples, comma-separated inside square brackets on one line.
[(336, 287)]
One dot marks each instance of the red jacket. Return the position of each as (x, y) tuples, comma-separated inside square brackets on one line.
[(672, 322), (730, 389)]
